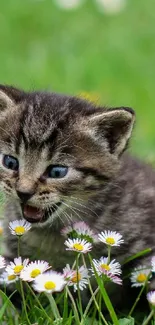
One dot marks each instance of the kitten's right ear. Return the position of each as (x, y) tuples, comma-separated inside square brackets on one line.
[(9, 97)]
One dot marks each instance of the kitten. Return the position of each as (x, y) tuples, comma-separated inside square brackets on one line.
[(62, 159)]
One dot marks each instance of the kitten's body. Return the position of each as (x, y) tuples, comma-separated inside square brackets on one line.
[(103, 187)]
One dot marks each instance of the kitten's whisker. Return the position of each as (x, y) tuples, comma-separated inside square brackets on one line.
[(57, 212), (68, 217), (82, 205), (72, 209)]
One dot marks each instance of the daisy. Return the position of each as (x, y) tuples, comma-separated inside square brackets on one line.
[(76, 278), (33, 270), (68, 273), (115, 279), (19, 227), (6, 278), (111, 6), (68, 4), (102, 266), (153, 263), (50, 281), (111, 238), (78, 245), (139, 276), (80, 230), (17, 266), (151, 297), (2, 262), (84, 232)]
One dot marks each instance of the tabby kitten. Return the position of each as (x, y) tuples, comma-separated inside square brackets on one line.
[(61, 160)]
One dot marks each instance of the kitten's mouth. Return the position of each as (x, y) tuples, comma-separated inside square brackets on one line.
[(33, 214)]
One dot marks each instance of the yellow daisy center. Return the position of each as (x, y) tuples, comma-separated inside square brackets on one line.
[(141, 278), (35, 273), (18, 268), (11, 277), (19, 230), (110, 240), (1, 230), (105, 267), (76, 277), (78, 247), (49, 285)]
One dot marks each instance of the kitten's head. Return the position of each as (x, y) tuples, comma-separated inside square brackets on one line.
[(56, 150)]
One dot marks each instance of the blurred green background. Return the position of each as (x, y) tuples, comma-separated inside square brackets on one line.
[(109, 56)]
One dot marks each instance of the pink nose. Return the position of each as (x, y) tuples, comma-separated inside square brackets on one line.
[(24, 196)]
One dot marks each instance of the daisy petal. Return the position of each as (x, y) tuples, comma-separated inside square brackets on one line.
[(19, 227), (140, 276), (78, 245), (33, 270), (49, 282), (111, 238)]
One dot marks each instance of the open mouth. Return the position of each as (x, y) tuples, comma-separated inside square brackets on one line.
[(33, 214)]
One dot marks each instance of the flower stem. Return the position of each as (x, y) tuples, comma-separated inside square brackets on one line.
[(109, 251), (24, 302), (139, 295), (149, 317), (88, 305), (105, 295), (74, 305), (53, 306), (39, 304), (93, 296), (78, 289), (18, 247)]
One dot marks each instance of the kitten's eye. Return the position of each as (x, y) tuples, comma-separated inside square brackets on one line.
[(10, 162), (57, 171)]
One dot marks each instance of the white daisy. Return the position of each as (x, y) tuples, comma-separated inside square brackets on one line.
[(151, 297), (115, 279), (33, 270), (153, 263), (78, 245), (111, 238), (80, 230), (68, 273), (50, 281), (2, 262), (111, 6), (140, 276), (6, 278), (102, 266), (16, 266), (68, 4), (76, 278), (19, 227), (84, 232)]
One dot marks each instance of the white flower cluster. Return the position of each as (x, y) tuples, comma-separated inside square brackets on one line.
[(44, 279)]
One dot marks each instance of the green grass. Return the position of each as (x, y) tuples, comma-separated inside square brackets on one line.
[(84, 50)]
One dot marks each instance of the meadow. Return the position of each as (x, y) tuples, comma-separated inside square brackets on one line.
[(110, 58)]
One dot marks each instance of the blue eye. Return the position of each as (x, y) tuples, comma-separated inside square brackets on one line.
[(10, 162), (57, 171)]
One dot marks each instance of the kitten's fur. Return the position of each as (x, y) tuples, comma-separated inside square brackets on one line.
[(105, 188)]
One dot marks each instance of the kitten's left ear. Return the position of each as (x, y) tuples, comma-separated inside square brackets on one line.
[(9, 97), (113, 126)]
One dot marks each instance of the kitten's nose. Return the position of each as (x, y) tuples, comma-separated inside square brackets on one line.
[(25, 196)]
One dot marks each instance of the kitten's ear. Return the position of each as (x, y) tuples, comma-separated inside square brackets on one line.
[(114, 126), (9, 96)]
